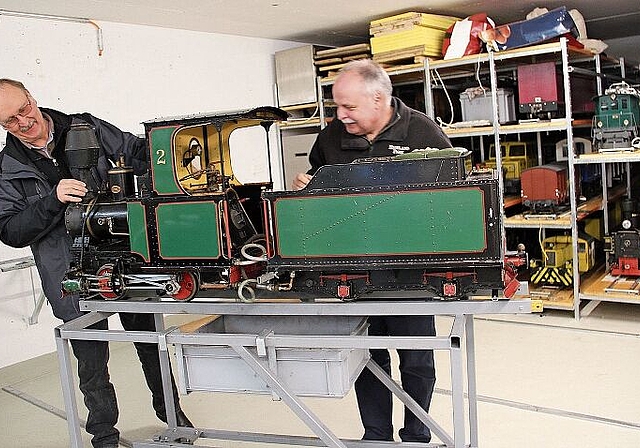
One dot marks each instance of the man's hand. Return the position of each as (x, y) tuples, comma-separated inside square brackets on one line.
[(301, 180), (70, 190)]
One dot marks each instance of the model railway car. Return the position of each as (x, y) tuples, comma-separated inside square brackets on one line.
[(393, 224), (615, 124), (545, 188)]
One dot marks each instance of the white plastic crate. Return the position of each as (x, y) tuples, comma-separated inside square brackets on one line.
[(479, 107), (306, 372)]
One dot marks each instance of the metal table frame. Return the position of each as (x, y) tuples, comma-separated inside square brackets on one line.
[(24, 263), (459, 342)]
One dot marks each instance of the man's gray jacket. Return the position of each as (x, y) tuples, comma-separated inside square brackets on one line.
[(30, 212)]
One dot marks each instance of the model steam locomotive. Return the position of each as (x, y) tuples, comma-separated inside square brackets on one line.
[(615, 124), (623, 245), (420, 222)]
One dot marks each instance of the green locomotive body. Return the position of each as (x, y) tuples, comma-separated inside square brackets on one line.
[(194, 227), (615, 125)]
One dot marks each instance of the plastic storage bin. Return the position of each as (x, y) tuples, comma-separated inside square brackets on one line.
[(306, 372), (479, 107)]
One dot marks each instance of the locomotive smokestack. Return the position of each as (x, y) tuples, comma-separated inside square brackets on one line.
[(628, 207), (82, 149)]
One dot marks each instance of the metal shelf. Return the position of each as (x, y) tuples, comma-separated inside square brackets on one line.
[(504, 129), (559, 52), (609, 157)]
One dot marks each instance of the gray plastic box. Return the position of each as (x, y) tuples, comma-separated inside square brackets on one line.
[(479, 107), (306, 372)]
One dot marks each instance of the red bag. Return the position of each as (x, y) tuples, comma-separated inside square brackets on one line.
[(462, 38)]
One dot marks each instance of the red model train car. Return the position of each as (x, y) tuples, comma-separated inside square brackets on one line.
[(545, 188)]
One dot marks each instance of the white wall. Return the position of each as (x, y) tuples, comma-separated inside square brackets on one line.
[(143, 73)]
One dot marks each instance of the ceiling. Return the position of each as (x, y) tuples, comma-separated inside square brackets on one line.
[(331, 22)]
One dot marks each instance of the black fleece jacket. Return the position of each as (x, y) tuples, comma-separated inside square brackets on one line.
[(408, 130)]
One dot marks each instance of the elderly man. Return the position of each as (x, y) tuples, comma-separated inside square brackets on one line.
[(372, 123), (35, 188)]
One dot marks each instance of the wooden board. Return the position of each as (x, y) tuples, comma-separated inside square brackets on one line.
[(328, 61), (389, 68), (334, 68), (414, 54), (429, 39), (436, 21), (563, 220), (392, 28), (553, 298), (195, 325), (602, 284), (342, 51), (334, 59), (512, 200)]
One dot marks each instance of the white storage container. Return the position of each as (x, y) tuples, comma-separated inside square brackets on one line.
[(306, 372), (479, 107)]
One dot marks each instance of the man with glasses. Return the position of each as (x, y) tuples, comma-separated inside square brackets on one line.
[(35, 188)]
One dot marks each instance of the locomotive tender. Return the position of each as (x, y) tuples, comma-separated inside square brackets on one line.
[(418, 223)]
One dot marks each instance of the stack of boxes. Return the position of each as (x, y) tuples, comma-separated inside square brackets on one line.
[(412, 35)]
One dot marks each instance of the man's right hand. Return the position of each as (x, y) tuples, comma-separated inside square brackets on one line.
[(70, 190), (301, 180)]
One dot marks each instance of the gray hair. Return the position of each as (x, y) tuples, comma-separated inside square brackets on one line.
[(374, 76), (12, 82)]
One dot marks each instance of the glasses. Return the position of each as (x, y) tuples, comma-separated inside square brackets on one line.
[(22, 112)]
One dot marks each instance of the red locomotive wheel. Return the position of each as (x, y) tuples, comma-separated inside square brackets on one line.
[(105, 284), (188, 286)]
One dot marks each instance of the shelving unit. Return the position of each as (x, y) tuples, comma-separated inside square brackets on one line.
[(600, 286), (572, 61), (569, 60), (506, 62)]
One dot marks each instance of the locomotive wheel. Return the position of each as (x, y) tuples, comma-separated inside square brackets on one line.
[(106, 284), (188, 286)]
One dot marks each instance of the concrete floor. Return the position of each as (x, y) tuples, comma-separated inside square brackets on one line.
[(543, 380)]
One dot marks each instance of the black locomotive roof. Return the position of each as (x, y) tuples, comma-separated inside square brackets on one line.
[(262, 113)]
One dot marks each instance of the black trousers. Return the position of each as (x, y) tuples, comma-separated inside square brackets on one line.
[(95, 385), (417, 373)]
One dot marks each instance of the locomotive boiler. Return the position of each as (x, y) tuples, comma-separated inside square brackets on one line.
[(195, 226)]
